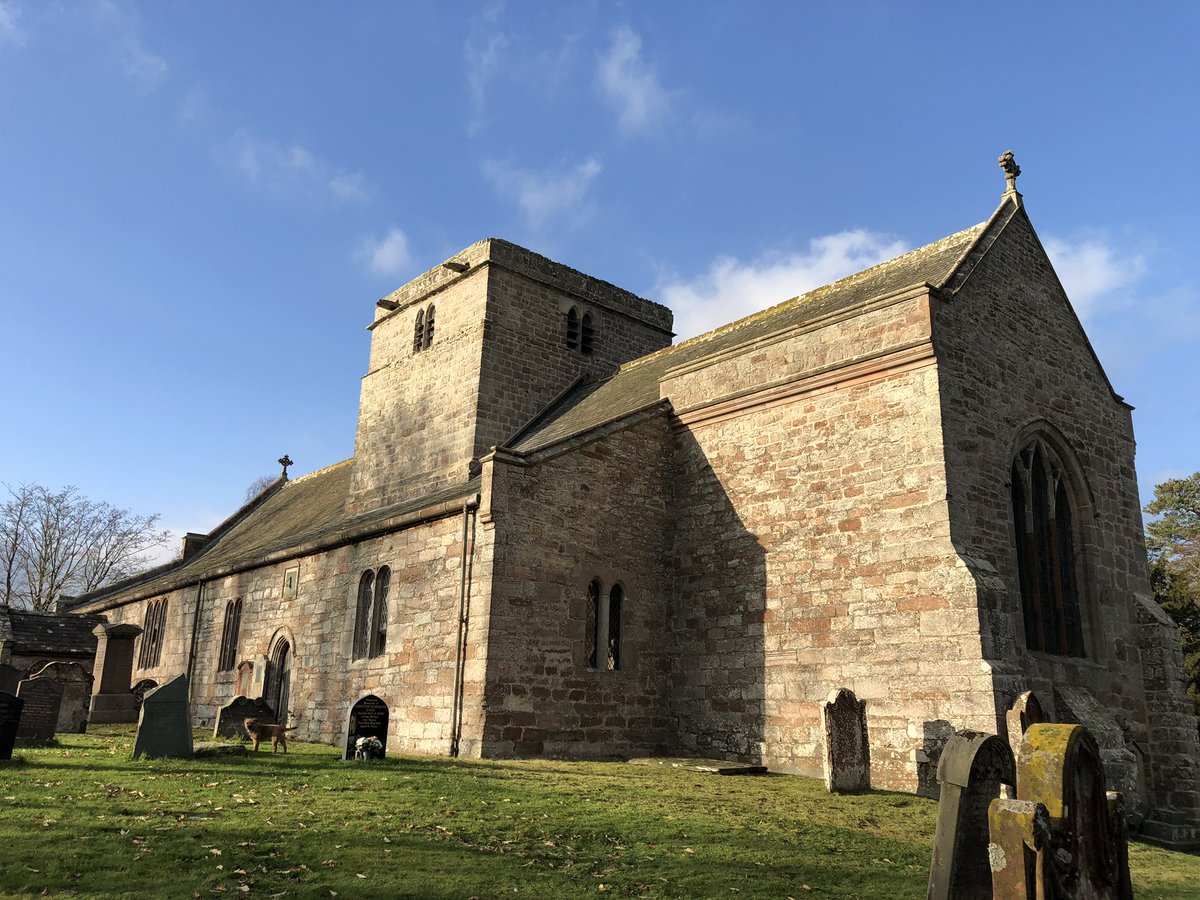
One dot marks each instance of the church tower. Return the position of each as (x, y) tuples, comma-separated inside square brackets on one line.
[(464, 356)]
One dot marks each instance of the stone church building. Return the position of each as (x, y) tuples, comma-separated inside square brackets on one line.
[(562, 535)]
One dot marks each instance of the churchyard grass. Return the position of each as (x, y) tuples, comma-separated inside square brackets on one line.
[(81, 817)]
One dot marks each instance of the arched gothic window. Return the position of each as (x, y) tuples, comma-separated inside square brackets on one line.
[(362, 621), (602, 626), (572, 329), (153, 626), (1047, 551), (379, 613), (587, 335), (419, 332), (428, 338), (229, 637)]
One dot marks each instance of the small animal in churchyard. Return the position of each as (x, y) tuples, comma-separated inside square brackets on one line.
[(262, 731)]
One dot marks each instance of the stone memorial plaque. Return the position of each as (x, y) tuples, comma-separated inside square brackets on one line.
[(368, 718), (232, 715), (9, 679), (165, 722), (77, 694), (39, 716), (10, 721), (847, 752)]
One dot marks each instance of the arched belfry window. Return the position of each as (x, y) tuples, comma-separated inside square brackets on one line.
[(587, 335), (572, 329), (1048, 563), (419, 332), (428, 338)]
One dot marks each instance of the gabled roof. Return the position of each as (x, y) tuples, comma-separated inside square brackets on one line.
[(635, 385), (299, 517)]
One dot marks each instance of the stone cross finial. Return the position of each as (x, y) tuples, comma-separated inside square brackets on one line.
[(1011, 170), (285, 461)]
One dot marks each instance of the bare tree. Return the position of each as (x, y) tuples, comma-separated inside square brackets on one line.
[(55, 542), (258, 485)]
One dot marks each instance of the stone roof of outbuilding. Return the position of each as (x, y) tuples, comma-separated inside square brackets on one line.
[(301, 516), (635, 385), (48, 634)]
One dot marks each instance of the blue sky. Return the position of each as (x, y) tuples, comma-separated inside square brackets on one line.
[(201, 202)]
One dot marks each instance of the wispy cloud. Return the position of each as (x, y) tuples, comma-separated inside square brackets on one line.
[(483, 51), (548, 195), (145, 69), (731, 289), (630, 85), (1093, 272), (293, 172), (387, 255), (10, 31)]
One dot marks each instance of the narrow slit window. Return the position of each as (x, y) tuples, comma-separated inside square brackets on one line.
[(591, 623), (615, 601)]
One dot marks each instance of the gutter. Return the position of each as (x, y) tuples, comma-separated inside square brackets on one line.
[(470, 511)]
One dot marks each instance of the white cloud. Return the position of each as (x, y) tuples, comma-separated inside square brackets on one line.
[(147, 70), (292, 172), (10, 31), (546, 195), (386, 255), (630, 85), (1092, 271), (483, 52), (732, 289)]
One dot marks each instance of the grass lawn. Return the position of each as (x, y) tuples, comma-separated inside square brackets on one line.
[(83, 818)]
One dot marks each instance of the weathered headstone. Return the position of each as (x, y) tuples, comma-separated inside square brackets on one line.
[(10, 677), (10, 721), (847, 751), (39, 715), (971, 770), (1065, 835), (77, 693), (141, 689), (1026, 710), (111, 700), (245, 678), (232, 715), (1077, 705), (368, 718), (165, 722)]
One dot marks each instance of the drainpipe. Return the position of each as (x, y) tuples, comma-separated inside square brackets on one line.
[(195, 629), (464, 612)]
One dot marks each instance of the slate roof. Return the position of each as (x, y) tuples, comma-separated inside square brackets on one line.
[(635, 385), (309, 510), (46, 634)]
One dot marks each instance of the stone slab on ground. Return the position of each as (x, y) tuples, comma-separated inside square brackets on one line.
[(708, 766), (217, 748)]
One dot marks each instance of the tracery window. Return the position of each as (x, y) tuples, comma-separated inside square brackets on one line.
[(153, 626), (371, 618), (1047, 558), (602, 626), (229, 637)]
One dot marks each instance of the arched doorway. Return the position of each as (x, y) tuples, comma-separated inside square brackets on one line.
[(279, 680)]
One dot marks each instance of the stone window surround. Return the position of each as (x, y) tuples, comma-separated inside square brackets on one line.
[(599, 628), (369, 637), (230, 636), (153, 628)]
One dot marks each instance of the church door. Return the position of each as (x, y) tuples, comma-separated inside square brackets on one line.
[(279, 685)]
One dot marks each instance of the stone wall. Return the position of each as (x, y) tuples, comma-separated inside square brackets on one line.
[(813, 550), (594, 510), (415, 675)]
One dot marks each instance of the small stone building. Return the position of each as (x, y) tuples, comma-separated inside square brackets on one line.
[(29, 640), (562, 535)]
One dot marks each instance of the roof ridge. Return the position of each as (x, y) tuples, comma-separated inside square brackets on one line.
[(322, 471)]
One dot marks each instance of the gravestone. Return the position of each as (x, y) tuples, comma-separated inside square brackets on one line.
[(1076, 705), (232, 715), (39, 716), (847, 752), (10, 721), (10, 677), (368, 718), (1026, 710), (77, 693), (165, 722), (140, 690), (245, 678), (1065, 835), (971, 770), (111, 700)]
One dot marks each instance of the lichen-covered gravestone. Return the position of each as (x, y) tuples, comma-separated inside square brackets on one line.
[(971, 770), (847, 751), (10, 721), (165, 722), (76, 696), (368, 719), (1065, 835), (231, 718), (39, 715)]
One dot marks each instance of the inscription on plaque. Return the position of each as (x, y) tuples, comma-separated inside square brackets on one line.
[(368, 719)]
